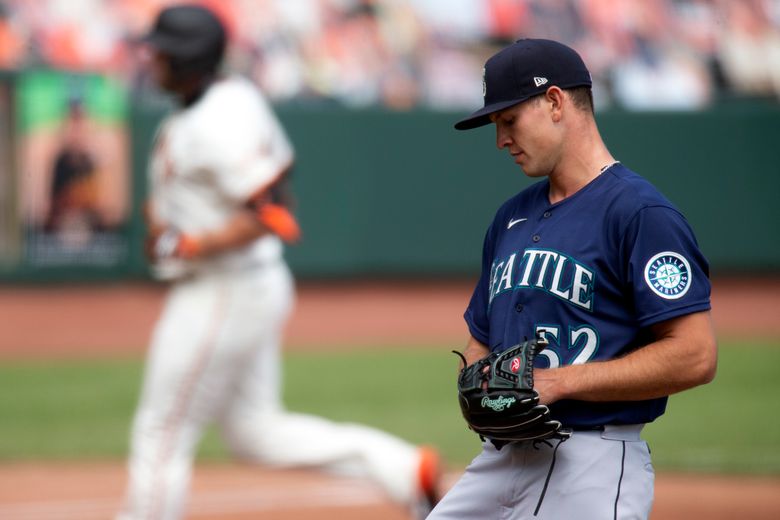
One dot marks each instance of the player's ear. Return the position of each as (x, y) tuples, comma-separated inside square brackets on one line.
[(554, 98)]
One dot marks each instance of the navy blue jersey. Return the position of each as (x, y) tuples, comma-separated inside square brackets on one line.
[(592, 273)]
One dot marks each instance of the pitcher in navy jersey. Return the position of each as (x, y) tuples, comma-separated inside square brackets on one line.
[(602, 265)]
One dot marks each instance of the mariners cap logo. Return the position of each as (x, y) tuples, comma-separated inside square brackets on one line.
[(668, 274)]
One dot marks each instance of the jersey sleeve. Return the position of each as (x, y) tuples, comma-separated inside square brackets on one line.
[(476, 314), (666, 272), (251, 149)]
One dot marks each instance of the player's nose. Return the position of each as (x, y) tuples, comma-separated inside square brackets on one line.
[(503, 138)]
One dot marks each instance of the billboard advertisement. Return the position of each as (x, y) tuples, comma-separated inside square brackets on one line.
[(70, 171)]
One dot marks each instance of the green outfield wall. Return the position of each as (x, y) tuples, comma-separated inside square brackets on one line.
[(402, 193)]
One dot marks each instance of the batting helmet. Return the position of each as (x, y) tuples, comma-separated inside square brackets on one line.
[(191, 36)]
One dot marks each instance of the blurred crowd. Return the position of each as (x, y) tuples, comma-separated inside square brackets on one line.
[(643, 54)]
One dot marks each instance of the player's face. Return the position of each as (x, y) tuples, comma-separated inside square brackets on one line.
[(528, 133), (160, 68)]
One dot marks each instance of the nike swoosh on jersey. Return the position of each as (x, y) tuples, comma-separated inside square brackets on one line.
[(515, 221)]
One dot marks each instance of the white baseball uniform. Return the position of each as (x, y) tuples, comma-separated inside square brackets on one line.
[(215, 351)]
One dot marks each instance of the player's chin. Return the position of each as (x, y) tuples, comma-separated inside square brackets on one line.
[(530, 171), (524, 163), (521, 161), (535, 168)]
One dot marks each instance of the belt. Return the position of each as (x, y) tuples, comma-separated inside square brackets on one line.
[(599, 428), (626, 432)]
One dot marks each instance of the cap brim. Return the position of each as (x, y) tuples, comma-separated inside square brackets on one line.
[(166, 44), (482, 116), (159, 41)]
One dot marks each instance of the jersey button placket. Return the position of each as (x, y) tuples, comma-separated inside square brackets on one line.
[(537, 237)]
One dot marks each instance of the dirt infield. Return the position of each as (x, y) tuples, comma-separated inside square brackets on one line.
[(231, 492), (111, 320)]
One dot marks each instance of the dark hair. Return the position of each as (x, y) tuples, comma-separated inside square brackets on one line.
[(582, 97)]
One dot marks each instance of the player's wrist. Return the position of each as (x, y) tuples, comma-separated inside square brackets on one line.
[(172, 243), (190, 247), (280, 221), (579, 381)]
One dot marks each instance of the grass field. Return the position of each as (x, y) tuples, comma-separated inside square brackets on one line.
[(82, 409)]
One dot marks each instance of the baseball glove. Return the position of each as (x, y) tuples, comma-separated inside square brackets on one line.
[(498, 400)]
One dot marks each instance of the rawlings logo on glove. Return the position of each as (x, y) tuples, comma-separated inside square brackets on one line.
[(498, 400), (498, 404)]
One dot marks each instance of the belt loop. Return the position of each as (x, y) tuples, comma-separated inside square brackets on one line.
[(623, 432)]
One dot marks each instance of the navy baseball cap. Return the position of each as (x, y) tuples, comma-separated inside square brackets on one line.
[(522, 70)]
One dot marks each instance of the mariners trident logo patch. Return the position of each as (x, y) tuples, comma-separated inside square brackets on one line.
[(668, 274)]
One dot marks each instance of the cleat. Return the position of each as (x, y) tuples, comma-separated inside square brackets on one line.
[(429, 475)]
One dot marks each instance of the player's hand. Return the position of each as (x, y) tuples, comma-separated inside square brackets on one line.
[(152, 234), (170, 243), (548, 384)]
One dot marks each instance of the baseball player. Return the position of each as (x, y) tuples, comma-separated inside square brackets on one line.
[(594, 260), (217, 217)]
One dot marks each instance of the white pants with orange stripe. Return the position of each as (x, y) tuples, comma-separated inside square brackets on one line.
[(214, 357)]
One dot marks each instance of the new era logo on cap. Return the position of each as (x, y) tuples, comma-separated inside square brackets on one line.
[(539, 81)]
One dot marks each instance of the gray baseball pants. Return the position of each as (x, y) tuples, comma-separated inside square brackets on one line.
[(593, 475)]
